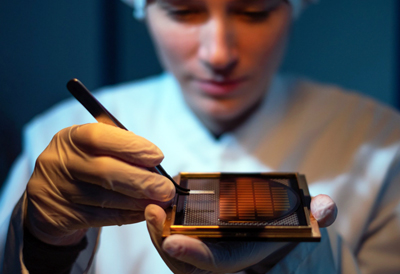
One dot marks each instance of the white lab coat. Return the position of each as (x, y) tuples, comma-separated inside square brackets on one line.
[(346, 145)]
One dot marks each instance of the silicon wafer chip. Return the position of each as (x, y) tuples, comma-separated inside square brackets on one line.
[(255, 200)]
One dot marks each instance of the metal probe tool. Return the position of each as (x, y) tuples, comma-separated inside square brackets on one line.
[(102, 115)]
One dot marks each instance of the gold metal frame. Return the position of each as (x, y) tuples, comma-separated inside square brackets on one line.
[(309, 232)]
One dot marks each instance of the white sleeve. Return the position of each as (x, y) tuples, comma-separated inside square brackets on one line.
[(13, 255), (311, 257), (13, 260), (14, 187), (379, 250), (11, 222)]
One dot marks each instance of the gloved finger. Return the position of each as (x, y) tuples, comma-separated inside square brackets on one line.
[(75, 216), (108, 172), (98, 217), (93, 195), (182, 253), (102, 139), (221, 256), (122, 177), (324, 210), (155, 217)]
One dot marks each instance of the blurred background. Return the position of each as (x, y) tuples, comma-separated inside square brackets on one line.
[(44, 43)]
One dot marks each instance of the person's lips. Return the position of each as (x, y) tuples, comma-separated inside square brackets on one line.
[(219, 88)]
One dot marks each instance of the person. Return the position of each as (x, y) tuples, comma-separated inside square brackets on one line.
[(221, 106)]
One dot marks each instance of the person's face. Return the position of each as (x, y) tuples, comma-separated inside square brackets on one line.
[(223, 52)]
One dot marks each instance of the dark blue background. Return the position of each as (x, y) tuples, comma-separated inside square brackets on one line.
[(45, 43)]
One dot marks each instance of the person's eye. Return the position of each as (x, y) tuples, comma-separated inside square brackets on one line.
[(183, 14), (254, 16)]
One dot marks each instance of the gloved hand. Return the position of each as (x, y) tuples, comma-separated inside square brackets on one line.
[(183, 254), (90, 176)]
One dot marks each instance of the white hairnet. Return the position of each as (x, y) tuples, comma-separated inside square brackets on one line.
[(140, 5)]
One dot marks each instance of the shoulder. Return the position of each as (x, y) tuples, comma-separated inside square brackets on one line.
[(332, 100), (345, 118)]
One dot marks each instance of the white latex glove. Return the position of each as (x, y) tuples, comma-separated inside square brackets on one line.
[(90, 176), (186, 255)]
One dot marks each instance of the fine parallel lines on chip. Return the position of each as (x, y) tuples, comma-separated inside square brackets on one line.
[(248, 199), (281, 199), (228, 199), (245, 199), (263, 199)]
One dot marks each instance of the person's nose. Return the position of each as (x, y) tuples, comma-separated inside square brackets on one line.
[(217, 50)]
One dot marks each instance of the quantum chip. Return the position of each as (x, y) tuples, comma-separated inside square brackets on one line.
[(244, 206)]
